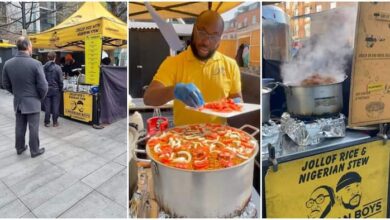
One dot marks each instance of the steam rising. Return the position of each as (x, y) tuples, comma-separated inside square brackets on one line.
[(326, 52)]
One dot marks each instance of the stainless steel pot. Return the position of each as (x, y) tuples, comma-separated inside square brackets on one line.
[(319, 100), (266, 101), (204, 194)]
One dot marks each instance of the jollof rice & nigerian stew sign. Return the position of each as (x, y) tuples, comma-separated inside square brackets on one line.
[(347, 183), (78, 106)]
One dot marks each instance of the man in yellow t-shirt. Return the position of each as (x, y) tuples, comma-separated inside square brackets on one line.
[(197, 75)]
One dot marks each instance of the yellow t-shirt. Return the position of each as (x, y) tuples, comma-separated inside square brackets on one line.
[(217, 78)]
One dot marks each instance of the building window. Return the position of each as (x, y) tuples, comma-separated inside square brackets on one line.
[(296, 13), (307, 30), (318, 8), (245, 22), (307, 20), (254, 19), (287, 5), (307, 10), (296, 28), (239, 25), (333, 5)]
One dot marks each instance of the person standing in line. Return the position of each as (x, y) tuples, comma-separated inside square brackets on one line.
[(24, 78), (54, 78)]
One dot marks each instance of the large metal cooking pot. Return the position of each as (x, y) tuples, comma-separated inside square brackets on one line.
[(204, 193), (266, 101), (318, 100)]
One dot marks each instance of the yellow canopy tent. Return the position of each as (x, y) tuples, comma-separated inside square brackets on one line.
[(91, 18), (6, 45), (138, 11)]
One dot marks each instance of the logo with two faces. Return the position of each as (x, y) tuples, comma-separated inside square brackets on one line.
[(323, 198)]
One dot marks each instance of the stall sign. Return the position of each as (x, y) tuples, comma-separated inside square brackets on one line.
[(347, 183), (78, 106), (93, 50), (370, 83)]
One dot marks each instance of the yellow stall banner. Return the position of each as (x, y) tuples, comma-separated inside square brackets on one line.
[(90, 18), (347, 183), (93, 51), (78, 106)]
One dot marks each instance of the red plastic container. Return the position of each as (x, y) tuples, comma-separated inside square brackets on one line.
[(156, 124)]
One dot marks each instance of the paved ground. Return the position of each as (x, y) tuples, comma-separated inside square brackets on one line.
[(81, 174)]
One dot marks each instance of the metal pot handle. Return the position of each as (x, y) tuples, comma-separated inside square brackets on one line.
[(275, 85), (255, 130), (136, 150), (139, 159), (287, 88), (155, 167)]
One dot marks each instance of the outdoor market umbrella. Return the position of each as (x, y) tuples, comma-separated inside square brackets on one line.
[(91, 18), (137, 10), (158, 11)]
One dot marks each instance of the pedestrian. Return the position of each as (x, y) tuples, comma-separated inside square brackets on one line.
[(197, 75), (54, 78), (242, 56), (24, 78)]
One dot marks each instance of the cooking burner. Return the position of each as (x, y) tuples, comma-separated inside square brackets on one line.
[(313, 118), (312, 132)]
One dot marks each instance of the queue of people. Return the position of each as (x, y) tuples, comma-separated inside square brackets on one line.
[(32, 84)]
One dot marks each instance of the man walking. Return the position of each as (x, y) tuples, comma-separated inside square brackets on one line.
[(53, 74), (24, 78)]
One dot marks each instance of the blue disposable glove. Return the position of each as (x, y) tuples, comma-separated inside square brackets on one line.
[(237, 100), (189, 94)]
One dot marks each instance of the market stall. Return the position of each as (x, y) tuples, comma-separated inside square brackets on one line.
[(91, 29), (315, 162)]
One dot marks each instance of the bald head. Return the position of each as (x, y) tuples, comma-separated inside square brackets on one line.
[(211, 19), (24, 45), (206, 35)]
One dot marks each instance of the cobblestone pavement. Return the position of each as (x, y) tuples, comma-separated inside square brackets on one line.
[(83, 172)]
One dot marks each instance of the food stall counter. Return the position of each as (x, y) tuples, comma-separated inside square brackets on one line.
[(289, 150), (299, 175)]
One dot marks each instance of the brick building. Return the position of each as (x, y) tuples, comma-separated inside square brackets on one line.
[(243, 28), (300, 14)]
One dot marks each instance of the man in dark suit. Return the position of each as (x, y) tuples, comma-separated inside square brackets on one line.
[(24, 78)]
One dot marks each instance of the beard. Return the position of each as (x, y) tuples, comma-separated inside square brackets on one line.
[(349, 205), (196, 52)]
